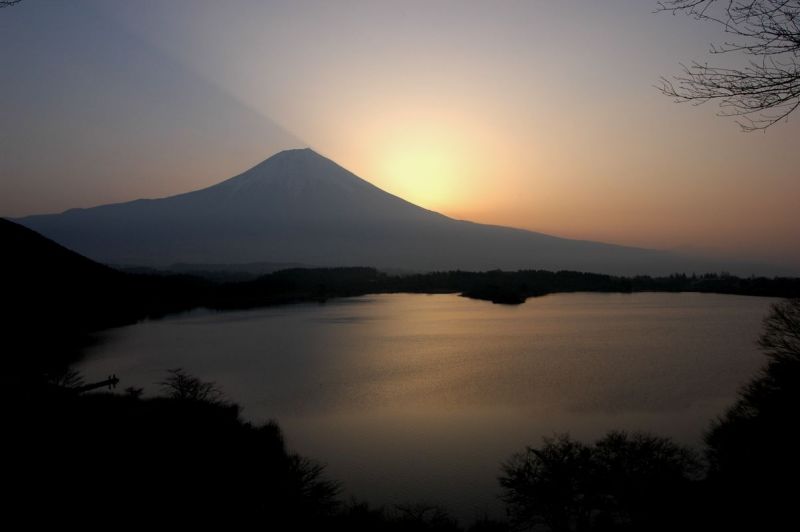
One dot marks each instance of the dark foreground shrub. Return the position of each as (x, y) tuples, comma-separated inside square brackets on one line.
[(621, 482)]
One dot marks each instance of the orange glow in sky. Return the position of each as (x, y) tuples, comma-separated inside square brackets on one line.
[(538, 115)]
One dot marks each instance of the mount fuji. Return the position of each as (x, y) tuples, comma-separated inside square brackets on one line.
[(300, 207)]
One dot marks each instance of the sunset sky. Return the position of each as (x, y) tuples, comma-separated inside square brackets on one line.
[(534, 114)]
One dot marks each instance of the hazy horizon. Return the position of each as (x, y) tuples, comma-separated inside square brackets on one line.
[(530, 115)]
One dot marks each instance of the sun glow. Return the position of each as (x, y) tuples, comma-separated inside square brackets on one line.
[(435, 158), (424, 174)]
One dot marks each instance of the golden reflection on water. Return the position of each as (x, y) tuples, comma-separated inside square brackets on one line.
[(411, 397)]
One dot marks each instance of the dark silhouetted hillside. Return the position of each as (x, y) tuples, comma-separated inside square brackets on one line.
[(101, 458), (752, 447), (53, 298)]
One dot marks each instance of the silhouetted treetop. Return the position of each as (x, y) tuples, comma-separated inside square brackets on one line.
[(781, 336), (180, 385), (622, 482)]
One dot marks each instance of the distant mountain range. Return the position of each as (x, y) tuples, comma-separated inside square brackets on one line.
[(300, 207)]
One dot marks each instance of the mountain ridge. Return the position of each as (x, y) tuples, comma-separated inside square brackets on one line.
[(298, 206)]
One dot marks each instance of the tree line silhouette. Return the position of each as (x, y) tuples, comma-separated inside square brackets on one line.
[(47, 287)]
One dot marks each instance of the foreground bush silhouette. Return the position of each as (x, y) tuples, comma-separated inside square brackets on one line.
[(621, 482), (184, 459), (643, 482), (182, 386), (752, 448), (102, 456)]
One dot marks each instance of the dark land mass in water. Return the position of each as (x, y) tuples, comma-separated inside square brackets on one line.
[(496, 286), (187, 458)]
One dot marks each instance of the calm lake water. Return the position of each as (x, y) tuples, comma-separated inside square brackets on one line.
[(412, 398)]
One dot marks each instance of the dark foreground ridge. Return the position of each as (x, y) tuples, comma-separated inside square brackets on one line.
[(103, 458)]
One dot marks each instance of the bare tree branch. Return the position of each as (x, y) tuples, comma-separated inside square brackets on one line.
[(764, 92)]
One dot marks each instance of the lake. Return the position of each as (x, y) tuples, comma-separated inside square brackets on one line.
[(411, 398)]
